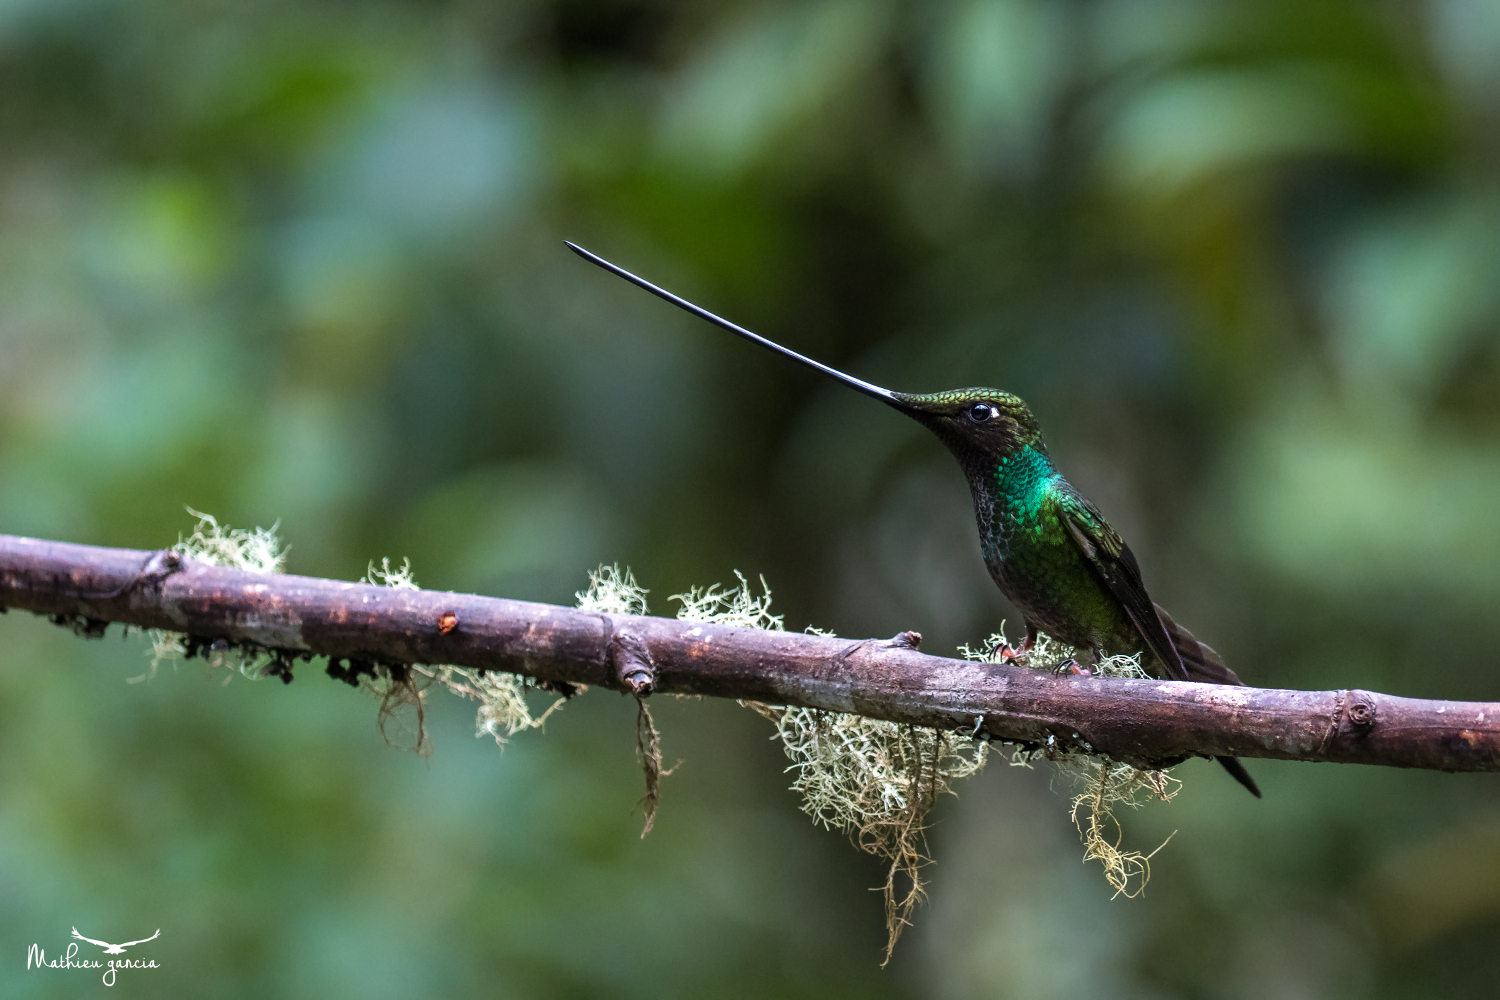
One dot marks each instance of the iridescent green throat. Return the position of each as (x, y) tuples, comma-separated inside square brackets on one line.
[(1022, 483), (1020, 486)]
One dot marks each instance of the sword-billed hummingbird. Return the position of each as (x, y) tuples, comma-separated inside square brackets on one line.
[(1050, 551)]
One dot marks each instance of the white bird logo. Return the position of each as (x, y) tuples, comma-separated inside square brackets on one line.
[(116, 949)]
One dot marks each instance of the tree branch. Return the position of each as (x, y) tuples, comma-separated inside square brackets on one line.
[(1146, 723)]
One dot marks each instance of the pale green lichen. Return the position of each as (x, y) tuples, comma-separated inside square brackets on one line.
[(503, 709), (874, 780), (1104, 783), (855, 774), (735, 606), (254, 550), (384, 576), (613, 591), (1049, 654)]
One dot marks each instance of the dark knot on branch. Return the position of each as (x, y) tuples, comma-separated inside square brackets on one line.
[(1361, 710), (632, 663)]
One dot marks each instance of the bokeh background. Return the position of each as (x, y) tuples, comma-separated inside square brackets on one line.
[(303, 262)]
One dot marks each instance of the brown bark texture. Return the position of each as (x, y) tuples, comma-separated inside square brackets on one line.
[(1147, 723)]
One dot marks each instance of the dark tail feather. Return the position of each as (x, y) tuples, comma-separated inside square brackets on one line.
[(1238, 773), (1199, 658), (1203, 664)]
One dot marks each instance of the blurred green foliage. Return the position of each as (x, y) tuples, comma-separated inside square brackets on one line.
[(303, 261)]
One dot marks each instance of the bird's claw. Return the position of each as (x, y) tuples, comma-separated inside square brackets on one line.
[(1073, 667), (1009, 654)]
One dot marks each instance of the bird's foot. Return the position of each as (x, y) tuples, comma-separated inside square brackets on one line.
[(1012, 655), (1072, 666)]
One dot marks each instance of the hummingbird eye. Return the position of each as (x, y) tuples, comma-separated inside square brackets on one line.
[(980, 412)]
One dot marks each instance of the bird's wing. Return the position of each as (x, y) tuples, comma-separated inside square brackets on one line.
[(153, 937), (1116, 565), (102, 944), (1112, 559)]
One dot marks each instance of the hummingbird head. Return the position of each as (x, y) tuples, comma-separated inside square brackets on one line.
[(979, 426)]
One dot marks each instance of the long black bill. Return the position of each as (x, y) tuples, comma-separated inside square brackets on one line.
[(859, 384)]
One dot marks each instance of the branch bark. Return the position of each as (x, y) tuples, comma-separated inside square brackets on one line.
[(1146, 723)]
